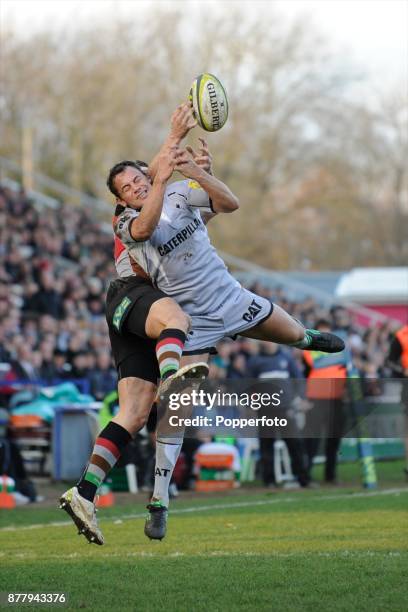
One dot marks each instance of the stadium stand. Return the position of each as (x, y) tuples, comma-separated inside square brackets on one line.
[(55, 264)]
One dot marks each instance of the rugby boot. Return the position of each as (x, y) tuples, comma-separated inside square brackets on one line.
[(324, 341), (156, 521), (83, 513)]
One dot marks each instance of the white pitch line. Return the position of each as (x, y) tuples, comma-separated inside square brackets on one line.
[(227, 506), (217, 553), (267, 502)]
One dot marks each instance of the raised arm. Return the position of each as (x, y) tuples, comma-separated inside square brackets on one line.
[(130, 227), (222, 198), (182, 121)]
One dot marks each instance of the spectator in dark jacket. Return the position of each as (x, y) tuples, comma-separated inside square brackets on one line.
[(277, 363), (103, 379)]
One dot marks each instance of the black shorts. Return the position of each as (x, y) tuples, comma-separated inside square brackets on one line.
[(128, 302)]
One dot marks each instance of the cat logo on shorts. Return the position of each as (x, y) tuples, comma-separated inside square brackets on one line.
[(120, 311), (252, 311)]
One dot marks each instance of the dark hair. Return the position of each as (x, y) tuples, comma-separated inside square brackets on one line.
[(120, 167)]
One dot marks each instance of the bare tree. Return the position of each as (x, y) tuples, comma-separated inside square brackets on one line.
[(321, 179)]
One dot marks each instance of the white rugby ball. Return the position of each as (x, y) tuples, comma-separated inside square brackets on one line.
[(210, 103)]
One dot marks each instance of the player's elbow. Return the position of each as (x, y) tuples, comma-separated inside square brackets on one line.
[(227, 204), (232, 204), (141, 236), (141, 232)]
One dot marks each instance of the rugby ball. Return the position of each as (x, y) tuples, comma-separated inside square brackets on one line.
[(209, 101)]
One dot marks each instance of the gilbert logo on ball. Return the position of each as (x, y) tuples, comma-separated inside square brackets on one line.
[(210, 102)]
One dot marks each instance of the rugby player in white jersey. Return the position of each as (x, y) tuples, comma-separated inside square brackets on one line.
[(178, 257)]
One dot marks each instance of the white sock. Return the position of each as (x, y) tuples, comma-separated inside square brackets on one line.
[(167, 453)]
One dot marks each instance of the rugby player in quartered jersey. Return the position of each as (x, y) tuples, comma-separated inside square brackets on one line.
[(147, 330)]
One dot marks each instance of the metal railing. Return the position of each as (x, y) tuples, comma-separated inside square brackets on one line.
[(57, 188)]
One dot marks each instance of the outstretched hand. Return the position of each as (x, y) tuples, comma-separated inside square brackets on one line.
[(186, 164), (182, 121), (166, 162), (203, 158)]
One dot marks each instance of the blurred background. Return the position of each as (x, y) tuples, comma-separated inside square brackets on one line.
[(315, 147), (316, 142)]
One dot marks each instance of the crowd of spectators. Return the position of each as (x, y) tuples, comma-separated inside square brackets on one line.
[(54, 269), (55, 266)]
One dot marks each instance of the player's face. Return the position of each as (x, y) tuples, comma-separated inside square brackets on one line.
[(132, 186)]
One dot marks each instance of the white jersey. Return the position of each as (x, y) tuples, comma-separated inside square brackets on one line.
[(178, 257)]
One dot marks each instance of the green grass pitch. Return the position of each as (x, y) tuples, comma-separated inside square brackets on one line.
[(338, 549)]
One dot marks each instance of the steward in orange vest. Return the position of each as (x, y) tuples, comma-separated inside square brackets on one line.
[(326, 374), (398, 355), (398, 362), (325, 386)]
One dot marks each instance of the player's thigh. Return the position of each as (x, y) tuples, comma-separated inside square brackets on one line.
[(128, 302), (134, 356), (151, 312), (164, 313), (278, 327), (138, 374)]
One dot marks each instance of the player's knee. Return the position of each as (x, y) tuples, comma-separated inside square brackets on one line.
[(164, 314), (178, 319), (187, 323)]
